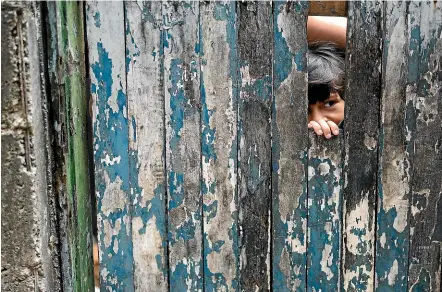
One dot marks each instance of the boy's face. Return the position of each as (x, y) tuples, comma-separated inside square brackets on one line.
[(325, 116)]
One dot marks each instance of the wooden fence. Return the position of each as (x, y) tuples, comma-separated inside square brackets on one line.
[(205, 174)]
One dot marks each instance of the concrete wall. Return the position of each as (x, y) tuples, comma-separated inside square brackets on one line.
[(29, 252)]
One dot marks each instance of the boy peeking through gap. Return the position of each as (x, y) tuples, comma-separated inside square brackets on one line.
[(326, 74)]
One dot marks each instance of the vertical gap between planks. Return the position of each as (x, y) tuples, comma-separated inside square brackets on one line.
[(379, 171), (90, 143), (412, 154), (166, 189), (131, 199), (236, 83), (273, 6), (309, 144), (343, 176), (201, 201), (165, 173)]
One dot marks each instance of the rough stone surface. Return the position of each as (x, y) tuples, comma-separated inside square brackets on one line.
[(29, 245)]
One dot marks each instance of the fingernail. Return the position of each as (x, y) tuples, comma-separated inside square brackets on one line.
[(309, 125), (336, 132), (328, 136), (320, 132)]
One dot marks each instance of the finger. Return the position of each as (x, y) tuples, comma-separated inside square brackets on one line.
[(333, 127), (325, 128), (316, 127)]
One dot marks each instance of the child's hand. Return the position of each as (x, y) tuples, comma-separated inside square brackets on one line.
[(324, 127)]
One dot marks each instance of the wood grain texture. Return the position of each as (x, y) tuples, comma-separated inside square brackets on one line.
[(57, 108), (361, 144), (324, 221), (394, 164), (71, 46), (328, 8), (424, 106), (183, 144), (254, 174), (106, 45), (145, 95), (219, 144), (289, 147)]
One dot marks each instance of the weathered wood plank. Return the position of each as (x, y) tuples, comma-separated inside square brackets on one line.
[(324, 213), (289, 147), (219, 144), (145, 94), (424, 107), (183, 146), (328, 8), (361, 144), (254, 132), (394, 166), (106, 39), (71, 46), (57, 108)]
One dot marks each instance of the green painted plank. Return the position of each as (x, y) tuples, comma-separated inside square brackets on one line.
[(254, 132), (219, 144), (71, 46), (183, 145), (423, 122), (145, 95), (289, 147), (361, 144), (394, 166), (106, 48), (325, 184)]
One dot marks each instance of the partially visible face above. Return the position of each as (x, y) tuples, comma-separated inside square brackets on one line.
[(330, 109)]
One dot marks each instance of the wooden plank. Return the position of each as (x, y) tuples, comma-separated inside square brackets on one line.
[(289, 147), (394, 166), (219, 144), (183, 146), (328, 8), (361, 144), (71, 47), (105, 32), (324, 213), (424, 104), (145, 95), (57, 108), (254, 174)]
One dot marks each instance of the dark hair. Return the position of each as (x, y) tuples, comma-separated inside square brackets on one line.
[(326, 71)]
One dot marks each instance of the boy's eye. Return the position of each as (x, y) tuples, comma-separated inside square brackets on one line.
[(329, 103)]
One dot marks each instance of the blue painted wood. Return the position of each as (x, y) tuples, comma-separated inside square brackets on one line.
[(219, 144), (324, 213), (145, 94), (423, 123), (394, 165), (289, 147), (183, 144), (105, 35)]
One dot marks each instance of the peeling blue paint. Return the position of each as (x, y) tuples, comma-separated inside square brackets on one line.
[(97, 19), (281, 70), (423, 283), (132, 49), (321, 188), (111, 137), (185, 272)]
